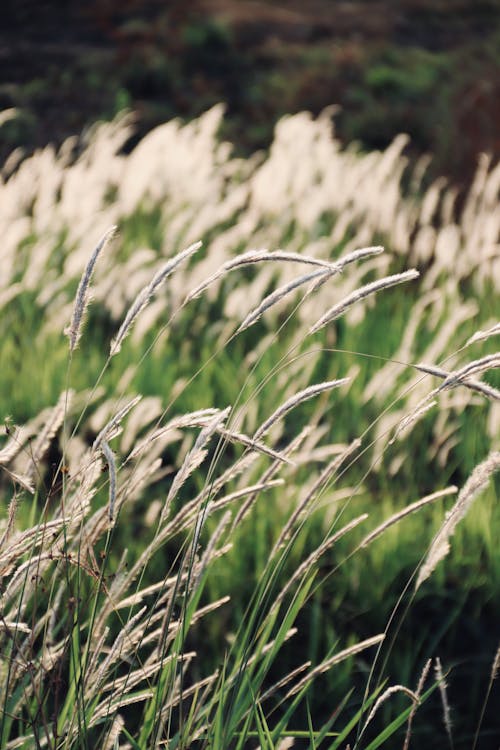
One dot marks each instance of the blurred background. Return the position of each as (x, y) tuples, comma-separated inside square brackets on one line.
[(429, 68)]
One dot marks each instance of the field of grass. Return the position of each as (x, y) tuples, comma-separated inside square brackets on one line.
[(251, 431)]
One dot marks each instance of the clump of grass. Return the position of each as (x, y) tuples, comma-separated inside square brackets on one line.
[(140, 507)]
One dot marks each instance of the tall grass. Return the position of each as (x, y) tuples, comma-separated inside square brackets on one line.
[(238, 438)]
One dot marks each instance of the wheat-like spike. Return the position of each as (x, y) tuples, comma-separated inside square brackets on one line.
[(211, 546), (278, 294), (11, 518), (472, 368), (352, 257), (412, 508), (24, 540), (495, 667), (285, 680), (237, 494), (107, 431), (112, 741), (258, 256), (113, 656), (444, 698), (42, 443), (418, 693), (315, 555), (440, 545), (82, 299), (193, 459), (411, 419), (103, 709), (197, 418), (453, 379), (324, 477), (188, 692), (361, 254), (25, 482), (269, 646), (295, 400), (375, 286), (110, 458), (13, 445), (255, 445), (293, 446), (146, 293), (326, 665), (132, 679), (13, 626), (98, 646), (384, 697), (483, 335)]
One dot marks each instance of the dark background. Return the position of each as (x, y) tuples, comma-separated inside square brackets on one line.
[(427, 67)]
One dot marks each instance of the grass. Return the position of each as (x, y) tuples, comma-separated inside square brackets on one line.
[(207, 539)]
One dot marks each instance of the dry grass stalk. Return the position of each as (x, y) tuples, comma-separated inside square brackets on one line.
[(110, 458), (252, 444), (313, 558), (454, 379), (95, 680), (193, 458), (82, 300), (495, 667), (418, 693), (482, 364), (146, 293), (279, 294), (293, 446), (326, 665), (406, 512), (384, 697), (198, 418), (484, 335), (440, 545), (18, 436), (325, 476), (110, 428), (295, 400), (11, 518), (410, 419), (257, 256), (245, 491), (285, 680), (339, 309), (444, 699), (44, 438)]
